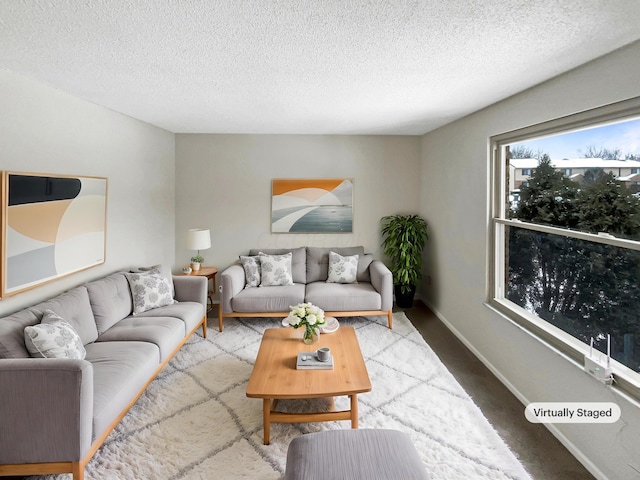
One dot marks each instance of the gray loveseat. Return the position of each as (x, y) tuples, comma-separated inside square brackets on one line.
[(56, 412), (371, 295)]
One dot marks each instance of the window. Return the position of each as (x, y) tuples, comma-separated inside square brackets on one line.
[(526, 172), (566, 253)]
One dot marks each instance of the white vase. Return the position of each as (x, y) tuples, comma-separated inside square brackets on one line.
[(195, 266)]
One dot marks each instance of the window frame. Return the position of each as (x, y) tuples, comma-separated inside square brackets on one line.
[(625, 379)]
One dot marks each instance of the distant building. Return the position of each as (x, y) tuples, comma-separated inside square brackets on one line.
[(627, 171)]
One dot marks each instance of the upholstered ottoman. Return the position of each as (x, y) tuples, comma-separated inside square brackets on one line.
[(364, 454)]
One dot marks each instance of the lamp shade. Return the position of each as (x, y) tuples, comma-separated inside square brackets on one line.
[(198, 239)]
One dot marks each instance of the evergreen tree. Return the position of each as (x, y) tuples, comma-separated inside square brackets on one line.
[(591, 175), (605, 205), (585, 288), (549, 197)]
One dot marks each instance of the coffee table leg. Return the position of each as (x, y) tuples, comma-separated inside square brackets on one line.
[(354, 410), (266, 413)]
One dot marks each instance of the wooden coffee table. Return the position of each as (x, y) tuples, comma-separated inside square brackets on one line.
[(275, 376)]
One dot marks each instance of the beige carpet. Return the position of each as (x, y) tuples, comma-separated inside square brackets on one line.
[(195, 422)]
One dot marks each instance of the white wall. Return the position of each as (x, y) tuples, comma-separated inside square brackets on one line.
[(455, 199), (223, 182), (46, 131)]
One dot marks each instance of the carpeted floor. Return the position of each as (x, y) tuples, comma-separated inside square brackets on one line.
[(195, 422)]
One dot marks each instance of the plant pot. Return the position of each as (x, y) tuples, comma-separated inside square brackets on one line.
[(404, 300), (195, 266)]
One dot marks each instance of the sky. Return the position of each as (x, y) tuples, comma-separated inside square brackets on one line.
[(624, 135)]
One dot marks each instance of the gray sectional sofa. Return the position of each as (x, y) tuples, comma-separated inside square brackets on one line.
[(56, 412), (370, 295)]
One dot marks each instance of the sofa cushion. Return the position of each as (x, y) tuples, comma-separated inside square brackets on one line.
[(268, 299), (343, 297), (275, 270), (110, 299), (149, 290), (342, 269), (12, 333), (298, 260), (120, 371), (165, 332), (53, 338), (364, 261), (74, 306), (251, 267), (318, 261), (190, 313)]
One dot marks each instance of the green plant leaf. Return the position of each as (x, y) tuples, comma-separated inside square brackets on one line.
[(403, 241)]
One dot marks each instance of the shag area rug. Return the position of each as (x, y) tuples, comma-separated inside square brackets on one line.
[(195, 421)]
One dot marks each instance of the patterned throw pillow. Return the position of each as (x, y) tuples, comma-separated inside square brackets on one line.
[(342, 269), (251, 267), (275, 269), (157, 269), (149, 290), (53, 338)]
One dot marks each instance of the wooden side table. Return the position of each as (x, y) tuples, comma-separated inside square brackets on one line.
[(210, 273)]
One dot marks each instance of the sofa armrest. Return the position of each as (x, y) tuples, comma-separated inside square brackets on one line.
[(46, 412), (191, 289), (382, 281), (233, 281)]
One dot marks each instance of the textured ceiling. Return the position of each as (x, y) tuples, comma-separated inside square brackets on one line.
[(305, 66)]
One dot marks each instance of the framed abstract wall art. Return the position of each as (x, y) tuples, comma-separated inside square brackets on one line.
[(52, 226), (313, 205)]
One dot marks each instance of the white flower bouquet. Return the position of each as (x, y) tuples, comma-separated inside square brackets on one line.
[(308, 316)]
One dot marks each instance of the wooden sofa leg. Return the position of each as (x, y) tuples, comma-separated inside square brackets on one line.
[(390, 319), (77, 470), (220, 317), (204, 326)]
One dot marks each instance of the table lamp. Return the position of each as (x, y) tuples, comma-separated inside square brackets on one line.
[(198, 239)]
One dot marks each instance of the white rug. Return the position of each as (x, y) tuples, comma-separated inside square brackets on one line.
[(195, 422)]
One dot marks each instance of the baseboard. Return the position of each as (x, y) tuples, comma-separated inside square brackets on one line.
[(575, 451)]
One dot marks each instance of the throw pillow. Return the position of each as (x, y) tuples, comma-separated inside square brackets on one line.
[(159, 269), (149, 290), (275, 270), (342, 269), (251, 267), (53, 338)]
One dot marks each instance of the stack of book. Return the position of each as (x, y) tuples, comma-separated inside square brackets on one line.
[(309, 361)]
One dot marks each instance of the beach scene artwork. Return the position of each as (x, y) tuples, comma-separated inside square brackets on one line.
[(312, 205)]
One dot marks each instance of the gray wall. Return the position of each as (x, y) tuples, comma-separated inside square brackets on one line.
[(223, 182), (454, 200), (46, 131)]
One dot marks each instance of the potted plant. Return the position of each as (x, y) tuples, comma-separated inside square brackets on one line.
[(403, 239), (196, 261)]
